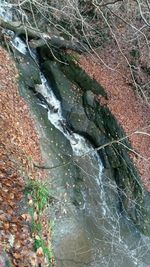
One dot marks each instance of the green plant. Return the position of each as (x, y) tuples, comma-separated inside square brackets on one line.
[(40, 243), (39, 193), (38, 197)]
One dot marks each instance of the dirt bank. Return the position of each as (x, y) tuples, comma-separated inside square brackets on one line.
[(19, 147)]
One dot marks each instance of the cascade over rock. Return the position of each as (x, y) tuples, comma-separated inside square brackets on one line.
[(93, 202), (88, 117)]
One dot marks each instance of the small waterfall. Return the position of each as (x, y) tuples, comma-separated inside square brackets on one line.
[(80, 146), (19, 45), (112, 236), (77, 142)]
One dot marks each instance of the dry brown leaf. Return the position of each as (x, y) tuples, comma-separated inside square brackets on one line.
[(17, 245), (33, 259), (5, 189), (17, 255), (6, 225), (2, 217), (27, 217), (11, 195), (40, 252)]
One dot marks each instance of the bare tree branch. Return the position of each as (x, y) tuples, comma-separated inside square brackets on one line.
[(43, 38), (109, 3)]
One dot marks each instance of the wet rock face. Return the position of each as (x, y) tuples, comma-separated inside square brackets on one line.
[(28, 70), (86, 116), (131, 196), (72, 71)]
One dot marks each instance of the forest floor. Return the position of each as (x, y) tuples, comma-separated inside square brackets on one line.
[(19, 147), (111, 70)]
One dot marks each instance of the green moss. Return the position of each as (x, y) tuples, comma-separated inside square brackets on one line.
[(40, 243), (39, 193), (40, 197)]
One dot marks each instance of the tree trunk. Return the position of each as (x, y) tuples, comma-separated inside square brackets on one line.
[(38, 39)]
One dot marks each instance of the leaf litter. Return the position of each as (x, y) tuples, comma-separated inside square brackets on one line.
[(18, 142)]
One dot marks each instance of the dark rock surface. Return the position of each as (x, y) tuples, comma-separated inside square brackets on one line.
[(28, 69), (86, 116), (78, 197)]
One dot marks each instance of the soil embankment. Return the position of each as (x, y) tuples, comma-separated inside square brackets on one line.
[(19, 146)]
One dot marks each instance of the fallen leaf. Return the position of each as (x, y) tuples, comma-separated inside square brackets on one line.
[(37, 237), (17, 255), (17, 245), (33, 259), (40, 252), (30, 202), (26, 217), (11, 195), (35, 216), (2, 217), (6, 225)]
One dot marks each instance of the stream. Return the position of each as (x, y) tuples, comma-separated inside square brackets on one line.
[(88, 229)]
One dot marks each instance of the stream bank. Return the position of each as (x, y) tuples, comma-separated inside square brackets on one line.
[(19, 144)]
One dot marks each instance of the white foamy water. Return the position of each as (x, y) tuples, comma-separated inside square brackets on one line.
[(6, 14), (78, 143), (19, 45), (5, 10)]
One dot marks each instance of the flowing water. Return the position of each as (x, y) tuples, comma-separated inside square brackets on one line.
[(109, 233), (89, 231)]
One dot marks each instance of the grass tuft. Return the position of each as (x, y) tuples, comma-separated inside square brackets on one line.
[(38, 197)]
